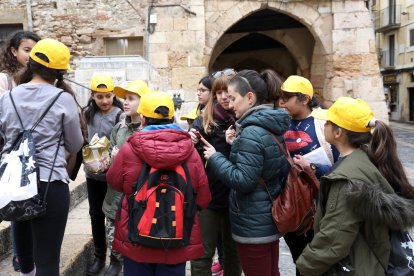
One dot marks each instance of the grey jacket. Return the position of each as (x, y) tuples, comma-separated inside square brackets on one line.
[(254, 154), (31, 101)]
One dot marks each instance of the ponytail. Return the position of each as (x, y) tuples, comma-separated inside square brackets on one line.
[(273, 82), (383, 154), (266, 85)]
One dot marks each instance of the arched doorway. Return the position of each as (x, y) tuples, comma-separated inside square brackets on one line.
[(265, 39)]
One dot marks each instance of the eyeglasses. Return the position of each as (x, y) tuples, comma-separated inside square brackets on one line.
[(202, 90), (286, 96), (227, 72)]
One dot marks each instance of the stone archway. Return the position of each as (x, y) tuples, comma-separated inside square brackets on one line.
[(343, 60), (302, 56)]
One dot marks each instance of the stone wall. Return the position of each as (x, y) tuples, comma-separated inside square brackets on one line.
[(339, 60)]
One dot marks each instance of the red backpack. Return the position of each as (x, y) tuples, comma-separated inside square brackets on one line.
[(162, 209)]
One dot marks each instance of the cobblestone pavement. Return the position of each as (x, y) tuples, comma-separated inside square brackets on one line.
[(286, 266), (404, 134)]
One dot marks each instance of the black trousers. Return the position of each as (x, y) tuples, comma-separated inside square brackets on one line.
[(297, 243), (39, 240), (96, 195)]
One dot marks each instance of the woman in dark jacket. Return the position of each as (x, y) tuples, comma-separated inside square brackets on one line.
[(254, 155), (214, 221)]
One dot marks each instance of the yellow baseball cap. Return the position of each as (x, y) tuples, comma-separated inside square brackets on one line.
[(56, 52), (102, 79), (151, 101), (138, 87), (348, 113), (297, 84), (190, 115)]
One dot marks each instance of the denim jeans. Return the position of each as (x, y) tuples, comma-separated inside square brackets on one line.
[(132, 268)]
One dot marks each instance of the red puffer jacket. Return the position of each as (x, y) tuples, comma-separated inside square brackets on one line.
[(164, 148)]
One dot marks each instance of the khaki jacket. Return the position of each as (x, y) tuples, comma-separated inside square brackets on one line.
[(357, 208)]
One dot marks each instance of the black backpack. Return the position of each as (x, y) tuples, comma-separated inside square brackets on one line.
[(402, 254), (19, 174), (162, 208)]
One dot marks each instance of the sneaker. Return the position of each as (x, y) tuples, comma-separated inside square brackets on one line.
[(16, 264), (216, 268)]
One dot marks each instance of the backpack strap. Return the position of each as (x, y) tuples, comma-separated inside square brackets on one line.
[(118, 116), (54, 160), (43, 114)]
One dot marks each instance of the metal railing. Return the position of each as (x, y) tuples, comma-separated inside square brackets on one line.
[(388, 58), (388, 18)]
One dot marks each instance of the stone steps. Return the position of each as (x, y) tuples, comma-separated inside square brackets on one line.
[(77, 247)]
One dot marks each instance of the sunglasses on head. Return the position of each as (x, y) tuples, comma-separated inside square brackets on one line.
[(227, 72)]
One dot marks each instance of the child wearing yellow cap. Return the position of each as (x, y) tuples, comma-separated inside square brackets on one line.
[(101, 114), (39, 240), (305, 141), (190, 117), (161, 144), (364, 196), (122, 130)]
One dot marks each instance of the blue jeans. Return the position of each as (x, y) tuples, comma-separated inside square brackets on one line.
[(132, 268)]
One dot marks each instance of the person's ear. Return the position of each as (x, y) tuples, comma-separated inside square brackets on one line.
[(14, 51), (251, 98), (338, 132), (142, 118)]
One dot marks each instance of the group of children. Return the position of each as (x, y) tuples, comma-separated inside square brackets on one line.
[(229, 148)]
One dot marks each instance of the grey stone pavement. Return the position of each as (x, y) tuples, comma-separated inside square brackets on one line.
[(404, 134)]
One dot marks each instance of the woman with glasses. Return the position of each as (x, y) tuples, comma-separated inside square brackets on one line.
[(212, 125), (254, 155), (305, 141), (203, 92)]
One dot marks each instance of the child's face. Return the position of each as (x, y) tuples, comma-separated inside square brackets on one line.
[(131, 103), (104, 101), (293, 106), (329, 133), (22, 53)]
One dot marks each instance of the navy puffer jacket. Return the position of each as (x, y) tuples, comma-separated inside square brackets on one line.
[(254, 154)]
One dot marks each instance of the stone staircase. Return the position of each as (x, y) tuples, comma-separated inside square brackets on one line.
[(77, 247)]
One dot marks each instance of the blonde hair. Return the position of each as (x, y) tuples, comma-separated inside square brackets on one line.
[(219, 83)]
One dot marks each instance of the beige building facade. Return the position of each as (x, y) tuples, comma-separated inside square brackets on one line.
[(331, 42), (394, 26)]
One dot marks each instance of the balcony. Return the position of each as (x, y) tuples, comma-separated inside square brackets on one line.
[(387, 59), (388, 19)]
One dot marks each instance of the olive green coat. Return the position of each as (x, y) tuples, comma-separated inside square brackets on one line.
[(120, 133), (357, 208)]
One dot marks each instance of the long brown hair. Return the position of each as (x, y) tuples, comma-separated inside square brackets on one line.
[(383, 153), (381, 148), (219, 83)]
